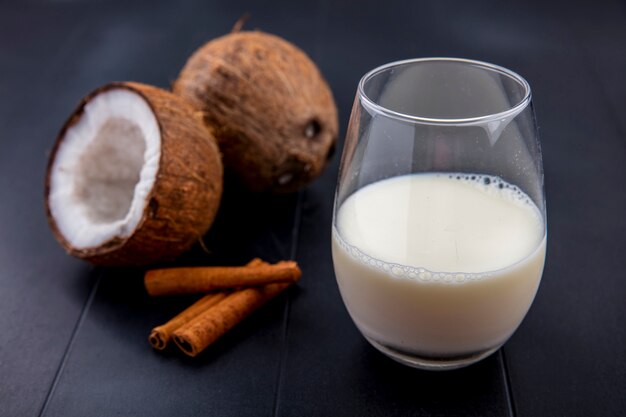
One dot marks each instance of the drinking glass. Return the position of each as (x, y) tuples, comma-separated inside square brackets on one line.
[(439, 225)]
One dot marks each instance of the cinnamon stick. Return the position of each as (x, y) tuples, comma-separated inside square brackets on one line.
[(205, 279), (161, 335), (193, 337)]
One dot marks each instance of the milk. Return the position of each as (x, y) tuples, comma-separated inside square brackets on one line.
[(439, 265)]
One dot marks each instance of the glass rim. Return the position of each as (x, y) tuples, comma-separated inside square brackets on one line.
[(513, 110)]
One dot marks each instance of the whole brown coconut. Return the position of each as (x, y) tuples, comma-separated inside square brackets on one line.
[(271, 110), (135, 177)]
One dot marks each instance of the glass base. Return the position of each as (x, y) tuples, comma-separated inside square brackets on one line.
[(432, 363)]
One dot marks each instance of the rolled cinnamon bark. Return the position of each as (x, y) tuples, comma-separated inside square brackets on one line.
[(193, 337), (173, 281), (161, 335)]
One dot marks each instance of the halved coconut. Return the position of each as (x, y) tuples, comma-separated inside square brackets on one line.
[(134, 177), (273, 113)]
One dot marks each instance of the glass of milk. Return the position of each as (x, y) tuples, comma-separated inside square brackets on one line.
[(439, 225)]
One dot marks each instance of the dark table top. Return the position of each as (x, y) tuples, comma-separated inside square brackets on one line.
[(74, 337)]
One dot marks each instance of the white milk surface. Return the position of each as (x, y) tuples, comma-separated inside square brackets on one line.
[(439, 264)]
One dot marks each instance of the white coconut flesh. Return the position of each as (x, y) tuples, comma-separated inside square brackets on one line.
[(104, 169)]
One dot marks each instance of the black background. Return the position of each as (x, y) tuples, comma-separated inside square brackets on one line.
[(73, 338)]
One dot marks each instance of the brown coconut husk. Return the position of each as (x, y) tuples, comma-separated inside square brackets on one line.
[(186, 193), (272, 111)]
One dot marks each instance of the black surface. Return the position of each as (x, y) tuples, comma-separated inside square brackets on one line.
[(74, 337)]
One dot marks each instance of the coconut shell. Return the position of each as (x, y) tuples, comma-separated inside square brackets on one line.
[(186, 193), (271, 110)]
